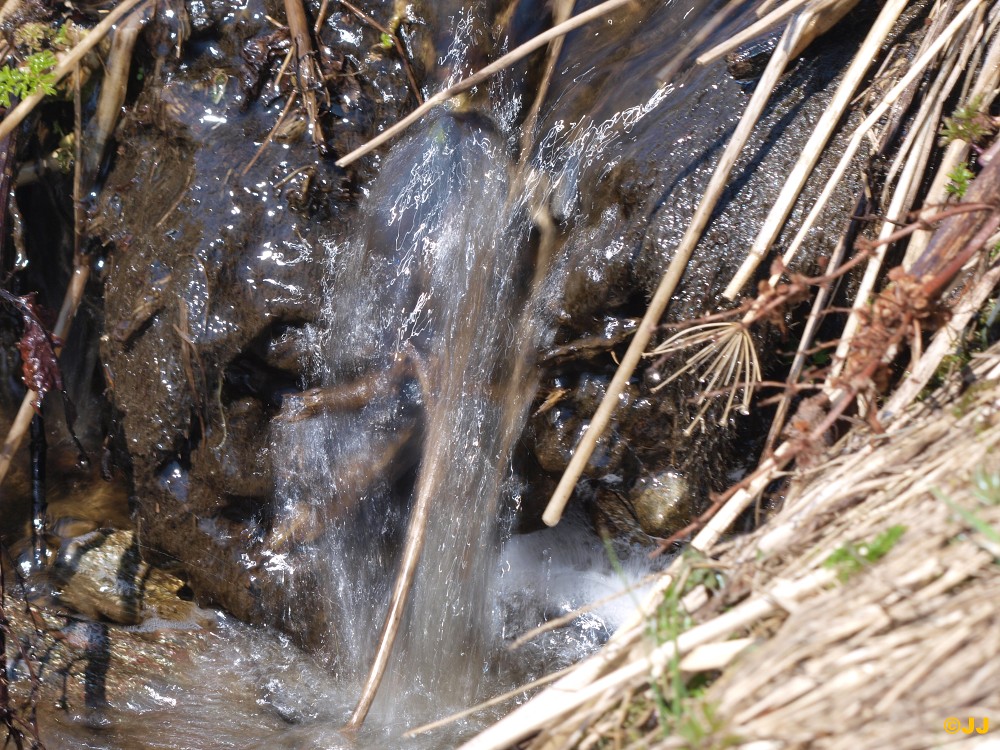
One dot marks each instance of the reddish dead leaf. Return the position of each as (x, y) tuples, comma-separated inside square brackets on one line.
[(39, 364)]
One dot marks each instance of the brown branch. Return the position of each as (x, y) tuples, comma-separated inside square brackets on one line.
[(308, 77)]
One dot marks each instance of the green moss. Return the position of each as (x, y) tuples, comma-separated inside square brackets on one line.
[(969, 123), (959, 179)]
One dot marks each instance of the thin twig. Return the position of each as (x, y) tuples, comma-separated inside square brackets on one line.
[(802, 351), (400, 50), (495, 701), (567, 618), (944, 341), (270, 134), (308, 77)]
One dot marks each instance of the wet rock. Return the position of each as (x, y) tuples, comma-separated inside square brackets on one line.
[(101, 575), (218, 248), (663, 503), (629, 163), (216, 256)]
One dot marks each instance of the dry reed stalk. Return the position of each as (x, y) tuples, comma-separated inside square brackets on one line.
[(912, 159), (915, 70), (899, 206), (559, 701), (957, 151), (824, 13), (113, 87), (726, 340), (818, 139)]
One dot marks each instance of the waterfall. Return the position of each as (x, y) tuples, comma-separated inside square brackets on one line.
[(426, 300)]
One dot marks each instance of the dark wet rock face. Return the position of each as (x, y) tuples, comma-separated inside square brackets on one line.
[(628, 178), (215, 275)]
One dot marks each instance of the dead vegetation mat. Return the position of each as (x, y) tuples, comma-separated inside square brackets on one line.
[(863, 614)]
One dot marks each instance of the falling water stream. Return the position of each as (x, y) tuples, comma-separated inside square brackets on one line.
[(433, 310), (428, 280)]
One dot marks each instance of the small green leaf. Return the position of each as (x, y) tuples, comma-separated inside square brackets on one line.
[(850, 558), (959, 177)]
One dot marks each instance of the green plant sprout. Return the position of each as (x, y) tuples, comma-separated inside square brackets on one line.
[(986, 489), (986, 486), (33, 76), (969, 124), (682, 711), (959, 179), (852, 558)]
